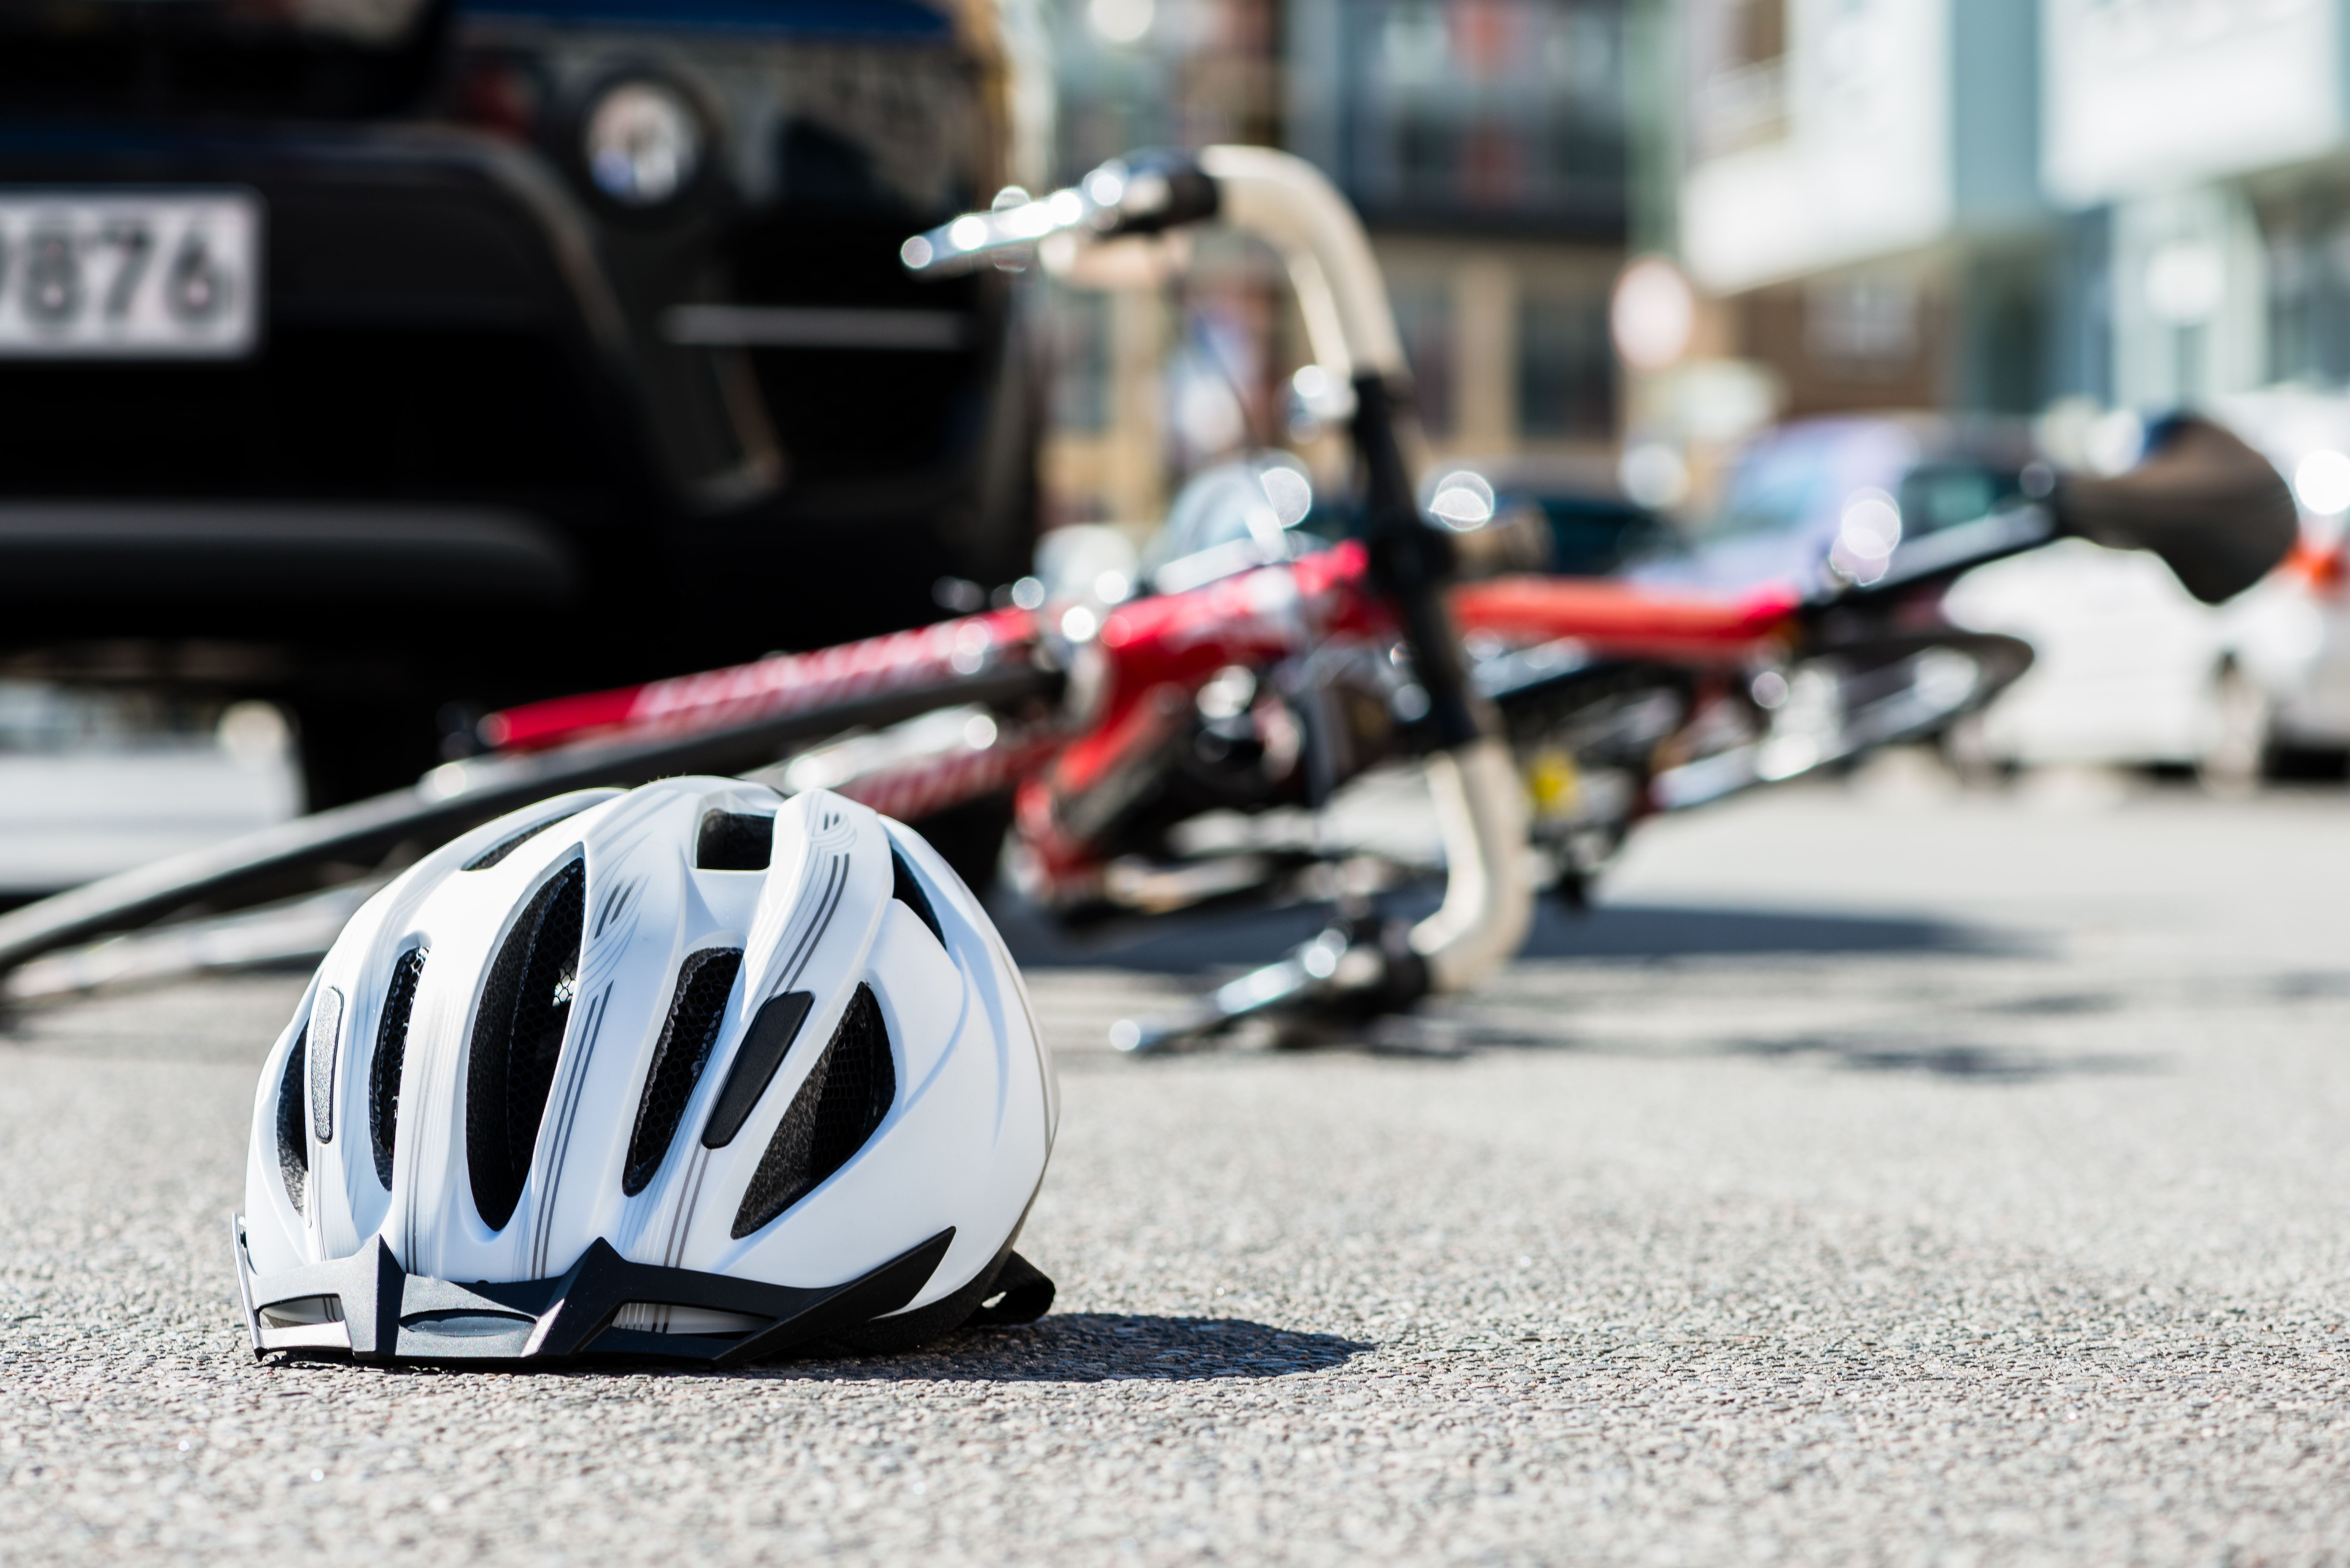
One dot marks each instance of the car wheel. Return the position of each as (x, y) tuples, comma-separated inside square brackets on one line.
[(2308, 764)]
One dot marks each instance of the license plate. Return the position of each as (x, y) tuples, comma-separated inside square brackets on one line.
[(93, 275)]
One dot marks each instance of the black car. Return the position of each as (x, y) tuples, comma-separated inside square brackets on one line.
[(383, 356)]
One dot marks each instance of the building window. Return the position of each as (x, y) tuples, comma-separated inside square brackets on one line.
[(1760, 28), (2307, 238), (1566, 369), (1739, 65), (1424, 317), (1865, 326), (1505, 112)]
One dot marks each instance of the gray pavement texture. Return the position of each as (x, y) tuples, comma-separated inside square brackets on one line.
[(1884, 1177)]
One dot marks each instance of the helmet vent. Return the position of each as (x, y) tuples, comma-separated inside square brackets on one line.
[(704, 984), (518, 1039), (846, 1096), (390, 1052), (736, 841), (513, 841), (910, 892), (772, 1030), (293, 1140)]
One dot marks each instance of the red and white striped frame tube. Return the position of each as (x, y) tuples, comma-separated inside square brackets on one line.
[(774, 687)]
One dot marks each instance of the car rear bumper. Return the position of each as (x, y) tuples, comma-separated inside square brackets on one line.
[(437, 324), (153, 550)]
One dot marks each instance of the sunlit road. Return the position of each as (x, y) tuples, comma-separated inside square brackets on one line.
[(1884, 1176)]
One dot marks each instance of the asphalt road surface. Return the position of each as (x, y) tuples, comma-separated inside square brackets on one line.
[(1884, 1177)]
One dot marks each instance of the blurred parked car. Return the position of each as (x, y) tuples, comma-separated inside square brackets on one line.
[(1591, 528), (2130, 670), (1802, 491), (372, 357)]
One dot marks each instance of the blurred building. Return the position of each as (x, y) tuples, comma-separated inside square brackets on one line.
[(1484, 141), (1990, 205), (1861, 188), (2211, 146), (1132, 74)]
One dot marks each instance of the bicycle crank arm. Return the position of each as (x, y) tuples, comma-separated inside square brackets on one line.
[(1351, 973)]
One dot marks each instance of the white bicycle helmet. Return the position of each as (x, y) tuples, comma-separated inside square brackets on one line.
[(689, 1070)]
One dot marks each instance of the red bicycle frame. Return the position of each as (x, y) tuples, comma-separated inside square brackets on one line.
[(1135, 679)]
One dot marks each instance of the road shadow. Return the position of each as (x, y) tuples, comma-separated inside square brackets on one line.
[(2305, 985), (1671, 930), (1210, 941), (1198, 941), (2055, 1004), (1457, 1039), (1954, 1059), (1093, 1347), (1061, 1347)]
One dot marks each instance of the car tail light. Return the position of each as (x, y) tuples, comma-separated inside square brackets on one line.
[(2319, 565)]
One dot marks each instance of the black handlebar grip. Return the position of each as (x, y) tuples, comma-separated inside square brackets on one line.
[(1164, 190)]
